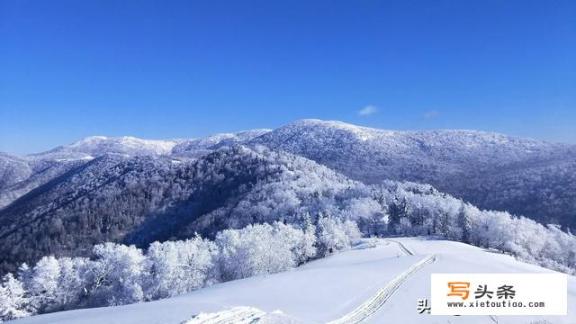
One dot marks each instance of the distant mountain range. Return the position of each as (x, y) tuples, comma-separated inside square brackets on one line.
[(493, 171), (136, 191)]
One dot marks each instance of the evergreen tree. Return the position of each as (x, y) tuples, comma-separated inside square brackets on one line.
[(396, 211), (463, 222)]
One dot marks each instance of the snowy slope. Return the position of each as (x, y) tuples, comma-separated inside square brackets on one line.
[(385, 281), (95, 146), (35, 174), (12, 170), (20, 175)]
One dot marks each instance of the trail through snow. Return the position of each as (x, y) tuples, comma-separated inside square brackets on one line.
[(403, 247), (247, 315), (376, 282), (371, 306)]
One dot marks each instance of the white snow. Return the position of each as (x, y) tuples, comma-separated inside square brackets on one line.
[(386, 154), (332, 288), (200, 146), (94, 146), (240, 315)]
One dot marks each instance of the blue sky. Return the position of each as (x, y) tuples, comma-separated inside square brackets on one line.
[(175, 69)]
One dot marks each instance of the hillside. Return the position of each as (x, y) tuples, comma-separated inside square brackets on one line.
[(143, 199), (490, 170), (136, 191), (12, 170), (493, 171), (328, 289), (20, 175), (138, 199), (39, 172)]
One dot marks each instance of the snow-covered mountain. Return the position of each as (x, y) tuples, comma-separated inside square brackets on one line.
[(143, 199), (131, 191), (20, 175), (12, 170), (37, 173), (136, 191), (491, 170), (378, 283), (202, 146), (95, 146), (373, 155)]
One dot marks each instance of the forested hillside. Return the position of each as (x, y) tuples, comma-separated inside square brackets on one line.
[(129, 190), (143, 199), (494, 171)]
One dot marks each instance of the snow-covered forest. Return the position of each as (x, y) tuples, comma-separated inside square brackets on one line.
[(117, 274), (110, 221)]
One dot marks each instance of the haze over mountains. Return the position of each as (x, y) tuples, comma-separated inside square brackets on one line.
[(136, 191)]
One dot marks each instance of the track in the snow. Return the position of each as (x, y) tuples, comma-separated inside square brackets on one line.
[(403, 247), (372, 305)]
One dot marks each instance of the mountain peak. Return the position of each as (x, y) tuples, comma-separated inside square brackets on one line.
[(326, 123), (93, 146), (320, 126), (200, 146)]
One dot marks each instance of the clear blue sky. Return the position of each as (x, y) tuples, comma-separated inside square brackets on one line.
[(175, 69)]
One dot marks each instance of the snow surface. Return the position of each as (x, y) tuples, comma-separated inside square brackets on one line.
[(331, 289), (95, 146), (242, 315)]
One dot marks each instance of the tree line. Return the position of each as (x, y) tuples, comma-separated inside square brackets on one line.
[(118, 274)]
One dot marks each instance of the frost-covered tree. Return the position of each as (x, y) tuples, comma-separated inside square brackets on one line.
[(334, 234), (43, 284), (13, 302), (72, 283), (116, 275), (369, 212), (351, 230), (253, 250), (306, 247), (300, 242), (177, 267)]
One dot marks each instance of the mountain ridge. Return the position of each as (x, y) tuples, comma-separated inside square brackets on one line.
[(460, 162), (304, 168)]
